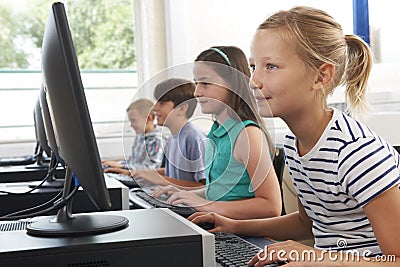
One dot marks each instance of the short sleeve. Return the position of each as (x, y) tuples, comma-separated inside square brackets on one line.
[(367, 168)]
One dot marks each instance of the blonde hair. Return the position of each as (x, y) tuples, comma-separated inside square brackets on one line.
[(144, 106), (318, 39)]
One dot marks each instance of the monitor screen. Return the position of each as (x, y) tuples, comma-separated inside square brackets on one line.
[(73, 131)]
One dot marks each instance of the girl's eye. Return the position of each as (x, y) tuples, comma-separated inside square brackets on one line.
[(270, 67), (202, 83), (252, 68)]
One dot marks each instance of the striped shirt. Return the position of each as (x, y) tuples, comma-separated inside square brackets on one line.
[(148, 149), (348, 167)]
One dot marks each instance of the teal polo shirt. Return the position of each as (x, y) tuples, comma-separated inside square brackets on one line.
[(226, 178)]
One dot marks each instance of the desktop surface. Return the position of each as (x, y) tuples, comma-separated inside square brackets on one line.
[(11, 174), (10, 203), (154, 237)]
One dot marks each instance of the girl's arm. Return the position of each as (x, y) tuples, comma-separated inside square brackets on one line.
[(295, 226), (171, 189), (158, 177), (184, 184), (383, 212)]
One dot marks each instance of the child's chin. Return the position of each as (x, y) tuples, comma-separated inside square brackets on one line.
[(265, 113)]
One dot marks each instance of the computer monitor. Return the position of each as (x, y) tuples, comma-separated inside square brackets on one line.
[(48, 125), (41, 140), (75, 139), (39, 128), (46, 141)]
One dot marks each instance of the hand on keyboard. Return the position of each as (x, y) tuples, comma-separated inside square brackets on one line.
[(124, 179), (110, 164), (233, 250), (187, 198), (117, 170), (206, 226), (221, 223), (150, 175), (142, 199), (164, 190)]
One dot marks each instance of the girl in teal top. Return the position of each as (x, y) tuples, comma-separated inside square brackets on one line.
[(240, 179), (226, 177)]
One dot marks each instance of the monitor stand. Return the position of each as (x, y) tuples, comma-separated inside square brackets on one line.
[(39, 164), (66, 224)]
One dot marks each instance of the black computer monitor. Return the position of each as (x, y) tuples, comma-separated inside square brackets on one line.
[(41, 140), (46, 141), (73, 131), (48, 125), (39, 128)]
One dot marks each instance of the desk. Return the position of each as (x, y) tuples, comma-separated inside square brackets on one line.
[(81, 203), (11, 174), (154, 237)]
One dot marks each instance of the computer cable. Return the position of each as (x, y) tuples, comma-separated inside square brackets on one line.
[(49, 173), (47, 203), (56, 206)]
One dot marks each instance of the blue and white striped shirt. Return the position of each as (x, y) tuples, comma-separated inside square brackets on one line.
[(348, 167)]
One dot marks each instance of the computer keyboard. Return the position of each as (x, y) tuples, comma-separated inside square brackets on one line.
[(124, 179), (18, 160), (232, 250), (142, 199)]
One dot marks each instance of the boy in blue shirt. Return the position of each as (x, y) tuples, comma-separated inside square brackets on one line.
[(184, 165)]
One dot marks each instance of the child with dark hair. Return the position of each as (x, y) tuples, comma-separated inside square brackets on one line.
[(184, 164), (241, 181)]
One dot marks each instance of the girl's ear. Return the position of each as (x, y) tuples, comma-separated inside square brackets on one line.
[(324, 76)]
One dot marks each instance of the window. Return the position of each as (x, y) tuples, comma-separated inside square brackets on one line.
[(103, 34), (385, 81)]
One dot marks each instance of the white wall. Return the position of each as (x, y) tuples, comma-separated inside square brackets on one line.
[(194, 26)]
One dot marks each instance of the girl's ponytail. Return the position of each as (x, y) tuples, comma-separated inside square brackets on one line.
[(358, 68)]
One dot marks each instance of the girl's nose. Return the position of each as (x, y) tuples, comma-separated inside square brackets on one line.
[(255, 83), (197, 91)]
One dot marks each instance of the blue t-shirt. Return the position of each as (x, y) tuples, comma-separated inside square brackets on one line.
[(184, 154)]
